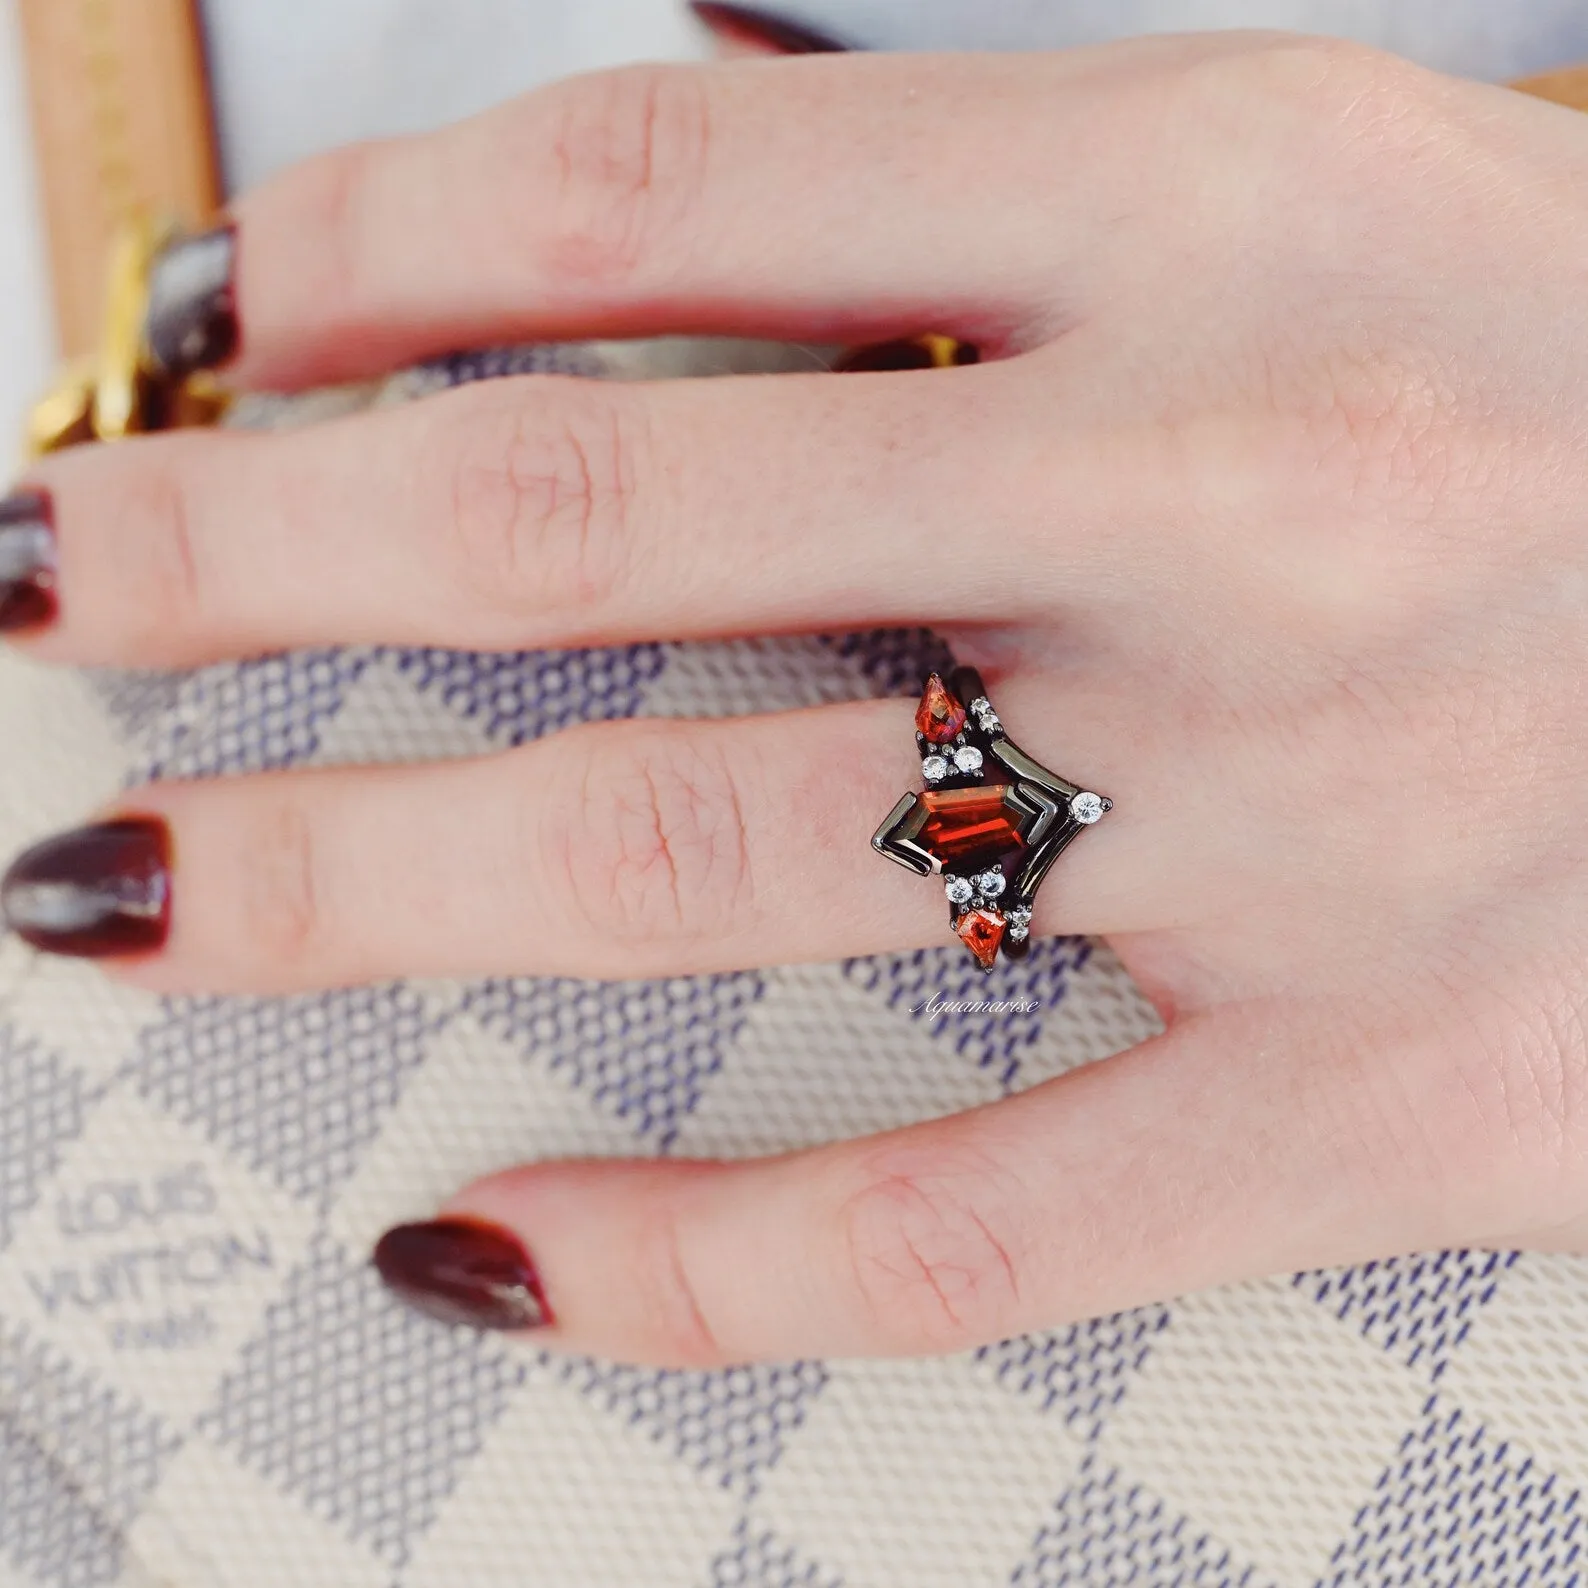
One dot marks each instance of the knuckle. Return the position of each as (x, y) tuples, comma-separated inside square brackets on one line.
[(281, 897), (1320, 103), (540, 500), (654, 842), (1527, 1063), (1333, 77), (933, 1250), (628, 151), (332, 206), (676, 1324)]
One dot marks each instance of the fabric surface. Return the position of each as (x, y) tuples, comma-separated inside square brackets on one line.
[(202, 1384)]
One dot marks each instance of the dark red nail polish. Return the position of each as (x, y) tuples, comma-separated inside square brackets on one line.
[(27, 562), (192, 317), (464, 1271), (95, 892), (770, 32)]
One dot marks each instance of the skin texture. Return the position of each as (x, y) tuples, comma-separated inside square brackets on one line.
[(1267, 510)]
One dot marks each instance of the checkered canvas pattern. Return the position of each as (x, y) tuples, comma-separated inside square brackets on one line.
[(203, 1386)]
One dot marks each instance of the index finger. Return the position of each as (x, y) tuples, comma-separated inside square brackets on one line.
[(838, 197)]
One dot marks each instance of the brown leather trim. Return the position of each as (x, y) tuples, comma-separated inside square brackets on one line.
[(121, 115), (1569, 86)]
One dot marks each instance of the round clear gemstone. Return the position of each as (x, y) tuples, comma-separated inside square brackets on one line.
[(1087, 807), (991, 884), (968, 759), (958, 890), (1019, 931), (934, 769), (986, 717), (1019, 915)]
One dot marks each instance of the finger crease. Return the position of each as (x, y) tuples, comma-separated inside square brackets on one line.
[(930, 1273), (664, 848), (997, 1246), (685, 1288), (182, 545)]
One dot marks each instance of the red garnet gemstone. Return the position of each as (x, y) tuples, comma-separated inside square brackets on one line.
[(981, 931), (940, 715), (969, 825)]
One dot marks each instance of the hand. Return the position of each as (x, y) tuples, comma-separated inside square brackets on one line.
[(1265, 515)]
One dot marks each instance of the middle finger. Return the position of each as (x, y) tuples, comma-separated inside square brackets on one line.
[(547, 511)]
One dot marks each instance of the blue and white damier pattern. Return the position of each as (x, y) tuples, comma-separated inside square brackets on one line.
[(203, 1386)]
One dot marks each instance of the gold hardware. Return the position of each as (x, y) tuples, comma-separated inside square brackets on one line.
[(944, 351), (118, 396), (119, 392), (65, 414)]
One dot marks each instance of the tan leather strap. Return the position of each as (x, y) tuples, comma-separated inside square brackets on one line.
[(121, 119), (1566, 87)]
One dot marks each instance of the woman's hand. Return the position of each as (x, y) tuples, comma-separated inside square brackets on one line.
[(1267, 513)]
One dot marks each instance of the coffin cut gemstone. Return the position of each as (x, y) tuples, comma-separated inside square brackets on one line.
[(970, 827), (981, 931), (941, 715)]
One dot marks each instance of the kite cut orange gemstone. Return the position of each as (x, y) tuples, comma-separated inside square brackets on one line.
[(941, 715), (981, 931)]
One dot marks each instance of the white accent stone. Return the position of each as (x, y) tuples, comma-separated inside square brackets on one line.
[(986, 717), (991, 884), (1018, 932), (934, 769), (958, 890), (967, 758), (1087, 807)]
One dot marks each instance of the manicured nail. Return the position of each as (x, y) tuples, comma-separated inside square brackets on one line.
[(95, 892), (192, 318), (27, 562), (464, 1271), (770, 32)]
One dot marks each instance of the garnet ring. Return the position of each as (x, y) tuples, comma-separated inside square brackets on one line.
[(990, 822)]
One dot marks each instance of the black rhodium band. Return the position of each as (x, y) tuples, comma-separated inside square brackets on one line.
[(990, 822)]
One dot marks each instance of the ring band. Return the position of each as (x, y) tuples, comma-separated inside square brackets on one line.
[(990, 821)]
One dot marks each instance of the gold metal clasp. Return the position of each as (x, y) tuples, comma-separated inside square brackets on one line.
[(120, 392)]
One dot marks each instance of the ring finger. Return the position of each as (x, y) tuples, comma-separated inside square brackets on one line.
[(610, 851)]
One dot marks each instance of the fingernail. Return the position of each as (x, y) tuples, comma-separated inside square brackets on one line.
[(192, 315), (464, 1271), (27, 562), (95, 892), (771, 32)]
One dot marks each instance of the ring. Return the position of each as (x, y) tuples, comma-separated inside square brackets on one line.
[(991, 820)]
